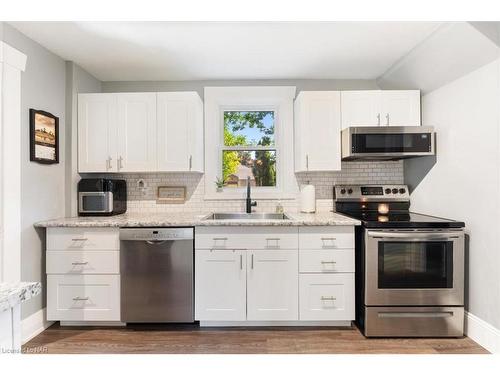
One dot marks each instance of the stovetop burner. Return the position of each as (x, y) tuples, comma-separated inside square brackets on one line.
[(385, 206)]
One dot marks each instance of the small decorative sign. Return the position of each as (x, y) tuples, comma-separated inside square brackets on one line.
[(171, 194), (44, 137)]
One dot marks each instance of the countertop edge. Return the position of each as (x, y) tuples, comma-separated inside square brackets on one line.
[(12, 294)]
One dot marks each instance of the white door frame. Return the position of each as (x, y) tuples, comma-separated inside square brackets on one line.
[(12, 63)]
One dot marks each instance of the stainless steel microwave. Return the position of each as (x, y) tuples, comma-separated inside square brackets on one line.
[(387, 142), (101, 197)]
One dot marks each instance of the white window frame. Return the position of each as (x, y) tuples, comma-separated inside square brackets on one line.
[(278, 99)]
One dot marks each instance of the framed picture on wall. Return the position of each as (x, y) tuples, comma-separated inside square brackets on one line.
[(44, 137)]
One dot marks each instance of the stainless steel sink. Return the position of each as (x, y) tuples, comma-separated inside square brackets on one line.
[(245, 216)]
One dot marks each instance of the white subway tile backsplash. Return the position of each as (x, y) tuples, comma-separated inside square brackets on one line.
[(144, 199)]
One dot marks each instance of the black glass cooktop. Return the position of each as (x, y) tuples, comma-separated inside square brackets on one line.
[(373, 219)]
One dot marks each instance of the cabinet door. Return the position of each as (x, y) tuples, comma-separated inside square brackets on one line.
[(97, 133), (318, 131), (400, 107), (361, 108), (272, 277), (220, 285), (180, 132), (136, 132)]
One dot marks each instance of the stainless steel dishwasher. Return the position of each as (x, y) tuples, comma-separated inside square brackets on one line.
[(156, 267)]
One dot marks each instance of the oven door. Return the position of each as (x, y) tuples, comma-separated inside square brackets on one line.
[(414, 268), (95, 202)]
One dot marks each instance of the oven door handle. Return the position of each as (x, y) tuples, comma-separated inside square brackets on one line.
[(415, 236)]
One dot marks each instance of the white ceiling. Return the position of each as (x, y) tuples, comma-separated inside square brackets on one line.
[(130, 51)]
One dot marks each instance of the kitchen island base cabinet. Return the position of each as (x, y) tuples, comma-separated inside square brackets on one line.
[(220, 285)]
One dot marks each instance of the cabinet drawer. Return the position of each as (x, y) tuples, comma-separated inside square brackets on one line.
[(258, 238), (79, 262), (83, 297), (83, 239), (324, 261), (326, 237), (326, 297)]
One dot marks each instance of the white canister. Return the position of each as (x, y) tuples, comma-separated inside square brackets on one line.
[(307, 198)]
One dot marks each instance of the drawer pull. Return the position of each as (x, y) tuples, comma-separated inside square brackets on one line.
[(328, 298), (79, 263), (81, 299), (220, 238), (328, 262), (328, 242), (79, 239), (276, 244)]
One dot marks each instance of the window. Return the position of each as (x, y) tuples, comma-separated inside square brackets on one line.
[(249, 149), (249, 134)]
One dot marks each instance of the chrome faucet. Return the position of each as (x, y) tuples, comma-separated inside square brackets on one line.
[(249, 202)]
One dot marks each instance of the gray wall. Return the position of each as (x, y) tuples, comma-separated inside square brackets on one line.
[(301, 84), (42, 191)]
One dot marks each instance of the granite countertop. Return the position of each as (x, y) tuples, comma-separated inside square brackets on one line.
[(194, 219), (12, 294)]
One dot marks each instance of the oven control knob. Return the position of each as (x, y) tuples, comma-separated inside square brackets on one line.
[(349, 191), (394, 191), (342, 191), (402, 191), (388, 191)]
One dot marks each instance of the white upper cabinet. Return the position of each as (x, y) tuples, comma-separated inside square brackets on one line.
[(317, 131), (136, 132), (381, 108), (180, 131), (400, 107), (97, 133), (361, 108), (140, 132)]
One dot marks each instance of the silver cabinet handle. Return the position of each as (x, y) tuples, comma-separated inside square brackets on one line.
[(251, 262), (325, 244), (81, 299), (120, 163), (220, 238), (328, 262), (241, 261), (276, 243), (307, 161), (79, 239), (79, 263), (387, 119), (190, 162), (108, 163), (328, 298), (378, 119)]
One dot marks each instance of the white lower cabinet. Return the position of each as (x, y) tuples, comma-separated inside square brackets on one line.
[(83, 275), (220, 285), (262, 275), (327, 297), (83, 297), (272, 277)]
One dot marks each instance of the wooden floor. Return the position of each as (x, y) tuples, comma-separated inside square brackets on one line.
[(191, 339)]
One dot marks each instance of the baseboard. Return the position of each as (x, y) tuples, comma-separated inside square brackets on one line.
[(482, 332), (277, 323), (33, 325)]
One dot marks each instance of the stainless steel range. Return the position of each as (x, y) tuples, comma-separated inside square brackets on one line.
[(409, 266)]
